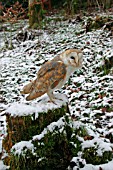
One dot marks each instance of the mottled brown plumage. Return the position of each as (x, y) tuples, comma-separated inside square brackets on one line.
[(53, 74)]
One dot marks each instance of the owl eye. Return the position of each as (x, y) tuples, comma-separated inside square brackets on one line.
[(72, 57)]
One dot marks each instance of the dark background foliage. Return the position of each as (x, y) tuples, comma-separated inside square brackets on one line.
[(65, 3)]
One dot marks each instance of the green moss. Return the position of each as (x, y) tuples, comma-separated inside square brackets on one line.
[(81, 131), (23, 162), (53, 153)]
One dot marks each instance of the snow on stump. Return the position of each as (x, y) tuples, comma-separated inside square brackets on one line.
[(27, 125)]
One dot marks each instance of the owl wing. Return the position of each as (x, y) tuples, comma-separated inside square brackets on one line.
[(51, 73)]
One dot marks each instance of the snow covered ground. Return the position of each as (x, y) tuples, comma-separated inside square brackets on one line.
[(89, 90)]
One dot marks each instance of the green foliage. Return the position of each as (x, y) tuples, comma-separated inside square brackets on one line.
[(91, 156), (23, 162), (105, 68), (55, 149), (73, 6)]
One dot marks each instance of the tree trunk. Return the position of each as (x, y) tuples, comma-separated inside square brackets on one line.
[(108, 3), (34, 13)]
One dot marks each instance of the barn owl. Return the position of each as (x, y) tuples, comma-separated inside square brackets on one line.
[(53, 74)]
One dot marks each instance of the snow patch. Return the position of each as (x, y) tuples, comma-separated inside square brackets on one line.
[(22, 147), (30, 108)]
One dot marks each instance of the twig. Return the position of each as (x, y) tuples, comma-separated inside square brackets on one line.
[(98, 4)]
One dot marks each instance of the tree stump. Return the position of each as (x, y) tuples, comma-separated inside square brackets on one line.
[(36, 135)]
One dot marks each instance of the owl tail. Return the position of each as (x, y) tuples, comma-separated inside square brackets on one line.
[(28, 88), (34, 94)]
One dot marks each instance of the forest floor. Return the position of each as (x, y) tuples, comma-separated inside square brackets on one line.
[(89, 90)]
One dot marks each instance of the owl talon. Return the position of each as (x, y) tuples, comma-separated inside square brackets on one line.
[(51, 101), (59, 99)]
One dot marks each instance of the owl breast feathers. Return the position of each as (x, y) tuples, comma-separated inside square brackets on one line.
[(53, 74)]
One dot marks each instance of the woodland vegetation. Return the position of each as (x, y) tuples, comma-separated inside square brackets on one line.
[(35, 11)]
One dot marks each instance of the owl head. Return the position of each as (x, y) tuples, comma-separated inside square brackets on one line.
[(72, 57)]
